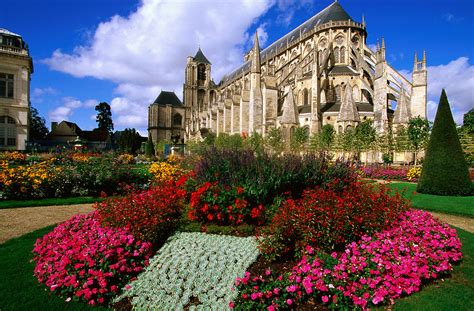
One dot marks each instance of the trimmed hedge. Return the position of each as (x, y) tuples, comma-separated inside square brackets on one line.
[(445, 170)]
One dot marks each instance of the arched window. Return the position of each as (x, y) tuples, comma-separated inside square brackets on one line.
[(177, 119), (336, 55), (7, 131), (202, 72), (343, 55), (340, 129), (305, 97)]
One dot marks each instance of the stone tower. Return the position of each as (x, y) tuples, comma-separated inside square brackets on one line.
[(380, 90), (16, 67), (196, 92), (255, 101), (419, 88)]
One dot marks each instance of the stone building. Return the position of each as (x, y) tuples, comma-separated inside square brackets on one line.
[(166, 117), (16, 67), (320, 73)]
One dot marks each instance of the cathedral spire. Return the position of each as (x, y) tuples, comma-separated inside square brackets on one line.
[(415, 63), (382, 51), (423, 61), (348, 110), (256, 55), (363, 20), (402, 112)]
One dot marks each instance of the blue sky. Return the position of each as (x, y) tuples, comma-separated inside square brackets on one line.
[(125, 51)]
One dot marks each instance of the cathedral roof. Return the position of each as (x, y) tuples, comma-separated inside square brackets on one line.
[(333, 12), (200, 58), (168, 98)]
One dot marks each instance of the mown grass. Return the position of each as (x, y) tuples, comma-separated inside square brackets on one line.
[(48, 202), (19, 289), (463, 206), (453, 293)]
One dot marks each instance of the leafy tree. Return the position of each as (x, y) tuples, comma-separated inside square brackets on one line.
[(274, 140), (299, 139), (226, 141), (468, 122), (38, 129), (345, 141), (385, 144), (418, 133), (104, 117), (326, 137), (149, 148), (129, 140), (365, 136), (254, 142), (445, 170)]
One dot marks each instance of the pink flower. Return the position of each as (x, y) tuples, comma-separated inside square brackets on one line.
[(325, 299), (289, 302)]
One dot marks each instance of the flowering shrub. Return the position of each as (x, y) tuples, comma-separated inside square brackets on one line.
[(79, 157), (223, 205), (59, 177), (373, 271), (126, 159), (413, 174), (264, 176), (81, 259), (164, 171), (13, 157), (149, 215), (26, 181), (386, 173), (203, 266), (327, 219)]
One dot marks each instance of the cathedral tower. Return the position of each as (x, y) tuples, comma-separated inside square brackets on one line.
[(419, 87), (380, 90), (196, 92)]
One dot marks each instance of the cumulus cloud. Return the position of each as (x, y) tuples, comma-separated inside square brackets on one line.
[(66, 110), (38, 93), (146, 51), (457, 78)]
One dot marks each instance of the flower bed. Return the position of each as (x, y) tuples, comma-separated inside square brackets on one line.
[(373, 271), (193, 270), (384, 172), (63, 177), (83, 260), (150, 215), (328, 219)]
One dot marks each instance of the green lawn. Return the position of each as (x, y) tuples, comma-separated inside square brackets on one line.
[(19, 289), (463, 206), (47, 202), (454, 293)]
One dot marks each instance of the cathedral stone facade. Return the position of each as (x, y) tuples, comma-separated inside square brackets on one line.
[(320, 73), (16, 67), (166, 117)]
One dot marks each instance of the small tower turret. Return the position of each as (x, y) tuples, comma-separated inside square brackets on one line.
[(419, 87), (256, 98)]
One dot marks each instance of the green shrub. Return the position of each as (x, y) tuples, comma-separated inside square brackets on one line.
[(445, 170)]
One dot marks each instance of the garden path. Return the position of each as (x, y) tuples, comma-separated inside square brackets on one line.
[(464, 223), (15, 222)]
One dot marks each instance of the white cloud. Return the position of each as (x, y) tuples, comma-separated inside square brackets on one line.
[(262, 35), (38, 93), (146, 51), (66, 110), (457, 78)]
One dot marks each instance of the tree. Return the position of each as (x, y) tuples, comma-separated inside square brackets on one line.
[(326, 137), (149, 148), (418, 133), (104, 117), (365, 136), (468, 122), (385, 144), (129, 140), (299, 139), (226, 141), (445, 170), (38, 129), (274, 140), (254, 142)]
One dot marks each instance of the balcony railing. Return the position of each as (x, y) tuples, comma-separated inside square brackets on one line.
[(13, 50)]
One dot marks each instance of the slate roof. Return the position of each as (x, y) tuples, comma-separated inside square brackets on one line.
[(343, 70), (333, 12), (168, 98), (200, 58)]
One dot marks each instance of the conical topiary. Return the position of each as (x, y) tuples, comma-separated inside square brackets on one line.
[(445, 170)]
